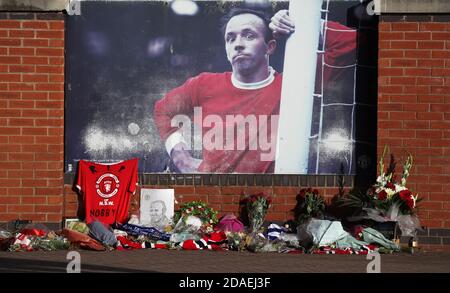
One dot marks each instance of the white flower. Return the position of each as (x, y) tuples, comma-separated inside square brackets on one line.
[(403, 181), (389, 192), (414, 198), (399, 188), (381, 179)]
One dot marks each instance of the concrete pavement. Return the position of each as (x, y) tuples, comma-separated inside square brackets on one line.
[(172, 261)]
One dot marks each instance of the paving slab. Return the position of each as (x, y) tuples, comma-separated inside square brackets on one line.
[(173, 261)]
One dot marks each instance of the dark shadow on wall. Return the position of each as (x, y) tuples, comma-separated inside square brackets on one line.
[(365, 126)]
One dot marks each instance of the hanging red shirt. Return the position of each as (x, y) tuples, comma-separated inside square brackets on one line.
[(106, 189)]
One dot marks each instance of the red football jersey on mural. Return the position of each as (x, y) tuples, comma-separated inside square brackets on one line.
[(106, 189)]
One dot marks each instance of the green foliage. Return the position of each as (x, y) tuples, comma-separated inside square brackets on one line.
[(207, 215), (356, 199), (309, 205), (257, 206)]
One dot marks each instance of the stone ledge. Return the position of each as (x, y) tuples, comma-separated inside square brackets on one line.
[(412, 6), (10, 226), (381, 6), (33, 5), (268, 180), (418, 17)]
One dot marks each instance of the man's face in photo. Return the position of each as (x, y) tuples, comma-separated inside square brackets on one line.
[(156, 210), (245, 44)]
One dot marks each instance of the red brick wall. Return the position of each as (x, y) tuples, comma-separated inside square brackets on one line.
[(224, 199), (31, 116), (414, 107)]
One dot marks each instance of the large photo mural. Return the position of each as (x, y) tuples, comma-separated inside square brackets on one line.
[(273, 87)]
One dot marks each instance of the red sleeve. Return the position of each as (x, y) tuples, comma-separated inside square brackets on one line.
[(340, 44), (134, 176), (340, 50), (180, 100), (80, 174)]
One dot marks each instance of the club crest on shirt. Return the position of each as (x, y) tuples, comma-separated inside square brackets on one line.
[(107, 185)]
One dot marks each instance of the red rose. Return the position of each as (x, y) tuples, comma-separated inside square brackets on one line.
[(315, 191), (382, 195), (302, 193), (410, 203), (405, 194), (390, 185), (358, 232)]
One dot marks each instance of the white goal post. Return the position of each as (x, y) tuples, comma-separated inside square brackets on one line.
[(297, 94)]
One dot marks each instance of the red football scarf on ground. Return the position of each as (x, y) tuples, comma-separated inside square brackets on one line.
[(125, 243), (212, 242), (106, 189), (365, 249)]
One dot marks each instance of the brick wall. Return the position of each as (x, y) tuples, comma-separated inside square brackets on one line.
[(414, 107), (31, 116)]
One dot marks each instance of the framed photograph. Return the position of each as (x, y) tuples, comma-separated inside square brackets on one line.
[(76, 225), (70, 222), (157, 207)]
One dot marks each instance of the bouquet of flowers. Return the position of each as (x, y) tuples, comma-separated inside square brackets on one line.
[(257, 206), (386, 192), (49, 242), (309, 205), (388, 199), (236, 240), (199, 209)]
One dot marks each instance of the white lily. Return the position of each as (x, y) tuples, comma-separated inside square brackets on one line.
[(390, 192), (414, 198), (399, 188)]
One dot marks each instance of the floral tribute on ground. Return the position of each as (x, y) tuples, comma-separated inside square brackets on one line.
[(257, 206), (388, 199), (200, 210)]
